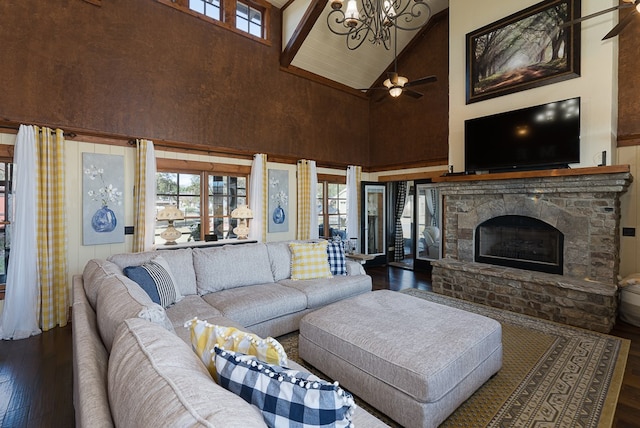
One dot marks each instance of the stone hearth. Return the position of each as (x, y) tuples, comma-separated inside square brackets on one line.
[(583, 204)]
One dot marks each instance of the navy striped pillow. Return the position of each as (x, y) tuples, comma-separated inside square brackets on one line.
[(156, 280)]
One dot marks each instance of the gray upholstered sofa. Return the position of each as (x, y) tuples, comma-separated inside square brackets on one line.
[(133, 363)]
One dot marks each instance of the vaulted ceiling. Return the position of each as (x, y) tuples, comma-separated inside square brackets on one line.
[(309, 45)]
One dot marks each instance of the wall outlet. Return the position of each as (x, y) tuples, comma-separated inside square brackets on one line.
[(628, 231)]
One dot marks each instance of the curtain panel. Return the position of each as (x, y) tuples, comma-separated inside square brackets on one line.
[(354, 178), (22, 303), (145, 196), (307, 188), (52, 246), (258, 198)]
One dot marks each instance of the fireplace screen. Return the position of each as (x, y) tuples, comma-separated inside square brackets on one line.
[(520, 242)]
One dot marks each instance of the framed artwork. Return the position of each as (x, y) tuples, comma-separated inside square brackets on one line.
[(278, 204), (102, 199), (528, 49)]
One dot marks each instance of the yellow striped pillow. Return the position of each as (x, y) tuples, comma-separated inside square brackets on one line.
[(309, 260), (205, 336)]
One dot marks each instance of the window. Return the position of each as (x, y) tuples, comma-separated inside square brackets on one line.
[(225, 194), (6, 175), (221, 195), (210, 8), (332, 209), (248, 19)]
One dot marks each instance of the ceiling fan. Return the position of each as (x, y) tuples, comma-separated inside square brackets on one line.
[(398, 85), (621, 24)]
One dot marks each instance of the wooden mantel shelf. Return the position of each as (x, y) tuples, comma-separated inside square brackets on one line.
[(566, 172)]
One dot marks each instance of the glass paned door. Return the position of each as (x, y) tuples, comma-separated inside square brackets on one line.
[(428, 231), (374, 221)]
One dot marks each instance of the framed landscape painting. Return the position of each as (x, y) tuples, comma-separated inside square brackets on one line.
[(530, 48)]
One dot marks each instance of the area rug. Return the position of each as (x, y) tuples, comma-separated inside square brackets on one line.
[(552, 375)]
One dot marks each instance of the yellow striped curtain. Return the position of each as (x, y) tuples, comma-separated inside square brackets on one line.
[(52, 245), (144, 196), (307, 183)]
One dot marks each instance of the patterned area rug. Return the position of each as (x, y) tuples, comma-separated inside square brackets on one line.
[(553, 375)]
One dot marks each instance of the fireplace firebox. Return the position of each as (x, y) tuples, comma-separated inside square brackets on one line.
[(520, 242)]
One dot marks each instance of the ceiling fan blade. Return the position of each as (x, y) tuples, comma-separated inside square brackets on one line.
[(421, 81), (372, 89), (411, 93), (620, 26), (593, 15)]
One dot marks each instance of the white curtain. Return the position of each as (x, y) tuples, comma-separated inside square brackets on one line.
[(258, 198), (353, 202), (20, 314)]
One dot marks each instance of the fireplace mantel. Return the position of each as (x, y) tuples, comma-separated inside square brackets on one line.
[(565, 172), (583, 204)]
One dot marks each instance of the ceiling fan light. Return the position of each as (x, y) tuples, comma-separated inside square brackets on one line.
[(395, 91), (402, 81), (387, 83), (638, 6)]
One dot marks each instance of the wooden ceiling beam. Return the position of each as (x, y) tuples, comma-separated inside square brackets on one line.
[(303, 29)]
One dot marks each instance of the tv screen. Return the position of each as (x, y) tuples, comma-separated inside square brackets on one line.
[(544, 136)]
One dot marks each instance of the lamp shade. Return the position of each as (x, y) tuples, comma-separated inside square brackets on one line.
[(170, 212), (242, 212)]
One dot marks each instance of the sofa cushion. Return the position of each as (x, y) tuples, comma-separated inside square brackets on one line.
[(156, 380), (95, 271), (285, 397), (337, 260), (120, 298), (205, 336), (280, 259), (321, 292), (309, 260), (230, 266), (256, 304), (156, 280), (180, 261)]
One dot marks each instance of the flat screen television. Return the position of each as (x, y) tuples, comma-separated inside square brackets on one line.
[(538, 137)]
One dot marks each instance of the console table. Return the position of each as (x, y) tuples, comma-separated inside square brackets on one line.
[(204, 244)]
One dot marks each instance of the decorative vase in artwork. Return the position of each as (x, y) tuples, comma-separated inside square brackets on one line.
[(104, 220), (278, 215)]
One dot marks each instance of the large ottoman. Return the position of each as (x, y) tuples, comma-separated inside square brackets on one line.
[(414, 360)]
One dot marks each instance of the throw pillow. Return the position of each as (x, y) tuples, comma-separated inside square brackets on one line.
[(337, 260), (156, 280), (309, 260), (285, 397), (205, 336)]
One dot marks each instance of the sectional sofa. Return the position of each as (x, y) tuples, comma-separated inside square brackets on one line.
[(133, 362)]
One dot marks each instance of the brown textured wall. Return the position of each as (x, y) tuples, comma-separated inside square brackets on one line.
[(407, 130), (142, 69), (628, 83)]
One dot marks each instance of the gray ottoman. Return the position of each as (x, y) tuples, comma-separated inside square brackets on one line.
[(414, 360)]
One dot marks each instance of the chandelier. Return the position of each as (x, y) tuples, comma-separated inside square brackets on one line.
[(376, 19)]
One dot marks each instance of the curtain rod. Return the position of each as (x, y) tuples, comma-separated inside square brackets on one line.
[(16, 128)]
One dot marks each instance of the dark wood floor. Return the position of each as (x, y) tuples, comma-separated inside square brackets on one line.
[(36, 382)]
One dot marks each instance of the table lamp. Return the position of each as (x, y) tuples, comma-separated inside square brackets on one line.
[(243, 213), (170, 213)]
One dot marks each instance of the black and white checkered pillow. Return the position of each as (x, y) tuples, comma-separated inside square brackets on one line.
[(337, 261), (286, 398)]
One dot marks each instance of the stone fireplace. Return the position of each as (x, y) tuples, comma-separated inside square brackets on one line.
[(521, 242), (542, 243)]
